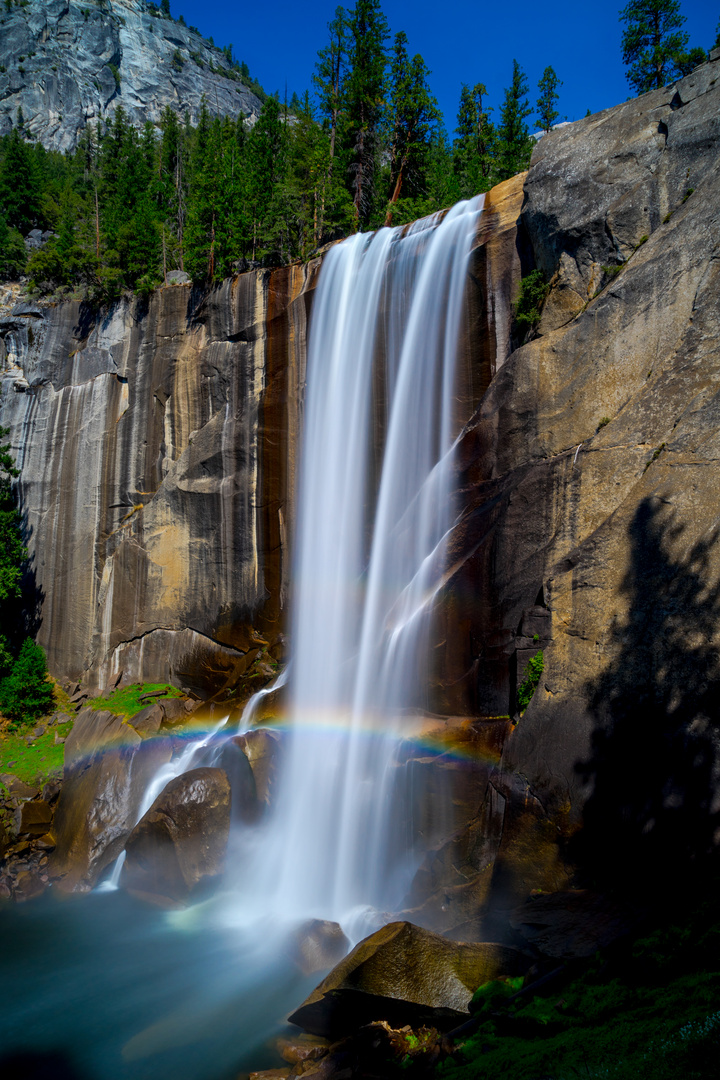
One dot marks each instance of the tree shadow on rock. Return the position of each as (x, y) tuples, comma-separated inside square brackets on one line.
[(653, 818)]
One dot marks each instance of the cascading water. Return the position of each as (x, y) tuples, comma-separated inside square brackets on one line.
[(370, 556)]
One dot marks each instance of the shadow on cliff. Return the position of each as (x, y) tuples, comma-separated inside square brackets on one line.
[(652, 818)]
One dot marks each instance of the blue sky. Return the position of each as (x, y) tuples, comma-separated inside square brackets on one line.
[(461, 41)]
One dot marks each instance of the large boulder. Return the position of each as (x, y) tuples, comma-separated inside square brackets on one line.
[(107, 768), (177, 850), (251, 762), (405, 975)]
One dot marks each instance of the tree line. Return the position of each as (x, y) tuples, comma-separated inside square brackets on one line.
[(368, 148)]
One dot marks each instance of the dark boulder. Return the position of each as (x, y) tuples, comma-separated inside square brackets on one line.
[(177, 850), (405, 975)]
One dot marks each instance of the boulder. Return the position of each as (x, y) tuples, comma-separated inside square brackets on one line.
[(18, 787), (107, 768), (177, 850), (318, 945), (33, 818), (251, 762), (405, 975)]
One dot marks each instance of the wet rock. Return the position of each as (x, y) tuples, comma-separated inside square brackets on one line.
[(177, 850), (107, 768), (297, 1049), (405, 975), (261, 747), (270, 1074), (318, 945)]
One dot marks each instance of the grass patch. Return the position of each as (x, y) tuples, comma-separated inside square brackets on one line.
[(127, 700), (38, 762)]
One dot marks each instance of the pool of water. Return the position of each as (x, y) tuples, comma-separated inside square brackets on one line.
[(104, 987)]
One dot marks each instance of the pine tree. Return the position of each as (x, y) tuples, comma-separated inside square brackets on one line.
[(653, 43), (20, 184), (474, 146), (546, 112), (364, 97), (514, 145), (329, 74), (413, 115)]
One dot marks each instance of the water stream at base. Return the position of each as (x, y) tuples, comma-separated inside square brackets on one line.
[(134, 993)]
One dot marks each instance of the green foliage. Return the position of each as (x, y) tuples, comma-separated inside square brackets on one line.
[(546, 112), (115, 74), (649, 1012), (127, 700), (26, 693), (13, 256), (530, 680), (604, 422), (514, 145), (38, 762), (654, 47), (475, 144), (528, 306)]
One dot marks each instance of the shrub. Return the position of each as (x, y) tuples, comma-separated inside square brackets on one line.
[(533, 290), (26, 694), (531, 678)]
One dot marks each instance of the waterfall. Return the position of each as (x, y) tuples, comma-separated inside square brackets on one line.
[(374, 509)]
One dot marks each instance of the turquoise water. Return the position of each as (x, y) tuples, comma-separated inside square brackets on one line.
[(103, 987)]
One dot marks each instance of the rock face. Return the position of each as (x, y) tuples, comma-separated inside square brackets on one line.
[(157, 445), (405, 975), (107, 767), (177, 849), (66, 65), (589, 476)]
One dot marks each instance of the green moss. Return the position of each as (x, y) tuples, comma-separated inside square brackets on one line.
[(126, 700), (37, 762), (531, 678)]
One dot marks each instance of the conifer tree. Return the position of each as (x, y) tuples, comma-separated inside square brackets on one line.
[(329, 75), (413, 113), (473, 150), (547, 114), (364, 97), (514, 145), (653, 42)]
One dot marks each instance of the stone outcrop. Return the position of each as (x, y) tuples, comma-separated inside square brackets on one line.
[(589, 477), (107, 768), (157, 444), (66, 65), (177, 849), (405, 975)]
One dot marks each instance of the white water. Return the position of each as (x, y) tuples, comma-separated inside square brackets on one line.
[(375, 508)]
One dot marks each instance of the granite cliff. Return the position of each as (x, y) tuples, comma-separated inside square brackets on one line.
[(69, 64), (157, 444)]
